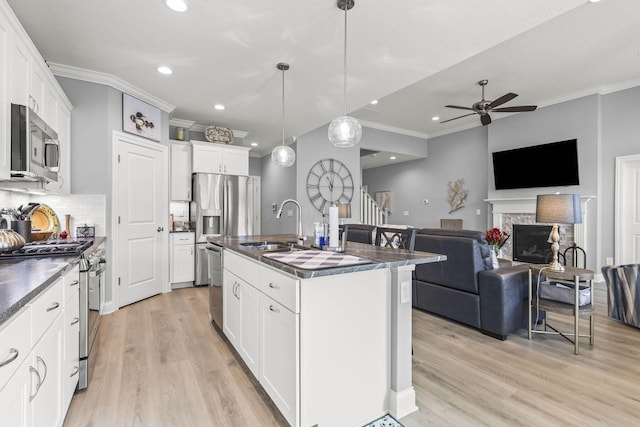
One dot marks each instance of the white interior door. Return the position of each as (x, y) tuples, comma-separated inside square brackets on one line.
[(627, 228), (142, 201)]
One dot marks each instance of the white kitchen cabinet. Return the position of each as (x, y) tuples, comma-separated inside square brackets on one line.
[(39, 391), (37, 90), (182, 257), (180, 171), (231, 307), (25, 79), (14, 398), (241, 316), (71, 360), (63, 119), (5, 104), (279, 356), (318, 344), (46, 406), (221, 159), (20, 71)]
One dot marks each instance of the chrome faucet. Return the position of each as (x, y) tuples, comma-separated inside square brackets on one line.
[(295, 202)]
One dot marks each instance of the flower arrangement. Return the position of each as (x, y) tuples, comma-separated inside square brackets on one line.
[(496, 238)]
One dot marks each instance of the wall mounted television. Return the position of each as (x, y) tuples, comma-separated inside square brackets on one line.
[(545, 165)]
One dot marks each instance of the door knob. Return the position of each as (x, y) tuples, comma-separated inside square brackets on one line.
[(160, 229)]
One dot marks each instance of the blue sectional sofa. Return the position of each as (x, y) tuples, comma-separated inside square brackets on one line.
[(466, 288)]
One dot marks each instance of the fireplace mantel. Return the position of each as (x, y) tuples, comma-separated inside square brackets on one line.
[(527, 205)]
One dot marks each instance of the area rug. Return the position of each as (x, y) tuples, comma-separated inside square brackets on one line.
[(385, 421)]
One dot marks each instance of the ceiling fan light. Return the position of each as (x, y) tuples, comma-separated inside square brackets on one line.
[(283, 155), (345, 132)]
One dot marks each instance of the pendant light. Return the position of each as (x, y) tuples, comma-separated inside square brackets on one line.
[(283, 155), (345, 131)]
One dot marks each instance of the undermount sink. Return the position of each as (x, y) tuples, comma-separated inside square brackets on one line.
[(267, 246)]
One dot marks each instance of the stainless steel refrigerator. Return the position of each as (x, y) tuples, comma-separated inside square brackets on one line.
[(223, 205)]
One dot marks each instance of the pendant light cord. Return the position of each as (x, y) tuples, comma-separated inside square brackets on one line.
[(283, 107), (345, 57)]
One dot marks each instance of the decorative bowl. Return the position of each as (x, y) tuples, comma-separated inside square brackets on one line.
[(40, 235), (218, 134)]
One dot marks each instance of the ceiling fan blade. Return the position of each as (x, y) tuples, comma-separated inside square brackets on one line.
[(459, 117), (459, 107), (485, 119), (504, 98), (516, 109)]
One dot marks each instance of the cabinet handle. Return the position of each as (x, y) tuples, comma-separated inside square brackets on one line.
[(219, 168), (75, 282), (75, 320), (13, 355), (75, 371), (272, 286), (274, 309), (33, 370), (46, 370), (53, 306), (225, 168), (189, 194)]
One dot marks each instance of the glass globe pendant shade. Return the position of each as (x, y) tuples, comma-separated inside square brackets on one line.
[(283, 155), (345, 132)]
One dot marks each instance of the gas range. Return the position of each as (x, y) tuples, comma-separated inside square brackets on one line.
[(58, 247)]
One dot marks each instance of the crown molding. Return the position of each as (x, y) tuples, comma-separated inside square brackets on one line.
[(392, 129), (181, 123), (109, 80), (236, 133)]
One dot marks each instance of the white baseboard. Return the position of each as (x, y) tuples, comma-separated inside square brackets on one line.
[(402, 403), (108, 308)]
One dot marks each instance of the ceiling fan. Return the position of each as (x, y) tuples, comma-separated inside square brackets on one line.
[(484, 107)]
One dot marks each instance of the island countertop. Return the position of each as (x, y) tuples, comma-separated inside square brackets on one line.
[(23, 279), (380, 257)]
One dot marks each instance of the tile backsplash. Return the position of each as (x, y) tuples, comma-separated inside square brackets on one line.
[(85, 209)]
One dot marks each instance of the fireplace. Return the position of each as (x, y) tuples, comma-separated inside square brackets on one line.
[(530, 243)]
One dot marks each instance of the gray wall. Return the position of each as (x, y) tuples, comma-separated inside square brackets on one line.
[(278, 184), (577, 118), (606, 126), (454, 156), (620, 136), (97, 112)]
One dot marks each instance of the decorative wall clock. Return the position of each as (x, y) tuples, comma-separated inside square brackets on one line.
[(329, 182)]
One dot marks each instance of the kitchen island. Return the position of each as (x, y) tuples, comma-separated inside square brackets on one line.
[(330, 342)]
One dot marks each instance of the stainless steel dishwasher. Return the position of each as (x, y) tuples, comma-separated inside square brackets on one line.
[(214, 254)]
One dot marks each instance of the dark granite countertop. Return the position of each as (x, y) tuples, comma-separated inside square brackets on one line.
[(379, 257), (23, 279)]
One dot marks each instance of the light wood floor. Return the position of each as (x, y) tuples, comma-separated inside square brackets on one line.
[(162, 364)]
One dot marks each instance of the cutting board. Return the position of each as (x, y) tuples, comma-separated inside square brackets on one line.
[(314, 260)]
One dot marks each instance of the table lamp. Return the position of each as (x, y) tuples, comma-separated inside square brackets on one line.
[(344, 211), (558, 209)]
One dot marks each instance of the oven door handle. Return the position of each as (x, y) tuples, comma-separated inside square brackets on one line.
[(97, 271)]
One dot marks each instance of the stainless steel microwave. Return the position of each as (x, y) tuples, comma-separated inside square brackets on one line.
[(35, 150)]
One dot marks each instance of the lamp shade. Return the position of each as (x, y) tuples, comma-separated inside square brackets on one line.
[(283, 155), (345, 132), (344, 210), (558, 209)]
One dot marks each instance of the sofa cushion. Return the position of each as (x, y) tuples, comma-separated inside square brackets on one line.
[(478, 236), (463, 262)]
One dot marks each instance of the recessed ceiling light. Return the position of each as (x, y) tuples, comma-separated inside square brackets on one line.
[(254, 144), (219, 107), (594, 1), (392, 157), (435, 118), (176, 5), (164, 70), (374, 102)]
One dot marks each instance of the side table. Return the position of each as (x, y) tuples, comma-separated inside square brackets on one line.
[(571, 276)]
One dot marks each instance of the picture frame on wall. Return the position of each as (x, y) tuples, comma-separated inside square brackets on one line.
[(383, 199), (140, 118)]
